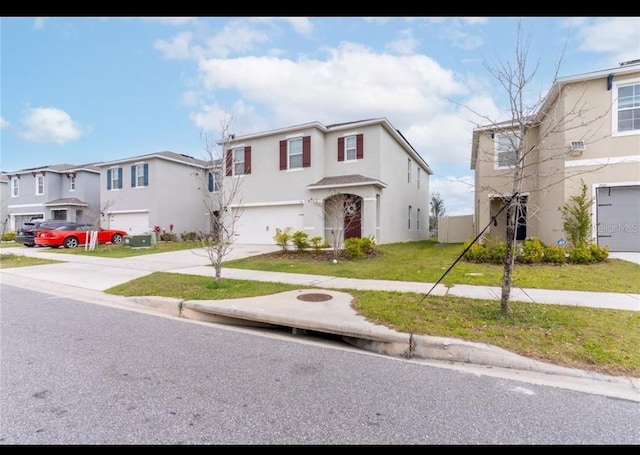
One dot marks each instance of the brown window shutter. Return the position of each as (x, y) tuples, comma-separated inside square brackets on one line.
[(360, 146), (306, 151), (229, 163), (340, 149), (247, 160), (283, 155)]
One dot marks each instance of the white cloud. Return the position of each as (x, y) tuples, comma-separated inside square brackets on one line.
[(49, 126), (405, 44), (235, 37), (38, 23), (171, 20), (3, 123), (456, 193), (617, 36), (179, 47)]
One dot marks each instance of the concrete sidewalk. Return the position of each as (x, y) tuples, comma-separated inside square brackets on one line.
[(326, 308)]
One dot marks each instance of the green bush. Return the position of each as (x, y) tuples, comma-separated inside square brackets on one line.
[(532, 251), (554, 254), (497, 252), (8, 236), (282, 237), (599, 254), (358, 247), (317, 243), (300, 240), (168, 237), (367, 245), (190, 236), (477, 252), (580, 254)]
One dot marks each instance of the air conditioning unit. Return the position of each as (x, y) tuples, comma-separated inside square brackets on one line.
[(576, 148)]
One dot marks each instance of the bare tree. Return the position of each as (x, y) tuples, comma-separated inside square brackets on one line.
[(222, 200), (339, 211), (528, 155), (437, 210)]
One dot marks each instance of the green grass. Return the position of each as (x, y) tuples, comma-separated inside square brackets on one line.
[(124, 251), (17, 260)]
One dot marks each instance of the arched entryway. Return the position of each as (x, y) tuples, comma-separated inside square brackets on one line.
[(343, 217)]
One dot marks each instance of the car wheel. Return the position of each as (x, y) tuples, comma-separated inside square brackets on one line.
[(117, 238), (70, 242), (29, 245)]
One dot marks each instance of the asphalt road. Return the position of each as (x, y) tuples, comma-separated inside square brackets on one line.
[(82, 373)]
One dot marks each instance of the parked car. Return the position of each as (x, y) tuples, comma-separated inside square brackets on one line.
[(26, 234), (72, 235)]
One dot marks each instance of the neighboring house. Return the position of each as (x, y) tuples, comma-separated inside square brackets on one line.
[(59, 192), (4, 197), (288, 174), (600, 146), (159, 189)]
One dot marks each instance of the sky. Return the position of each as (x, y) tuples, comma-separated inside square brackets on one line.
[(77, 90)]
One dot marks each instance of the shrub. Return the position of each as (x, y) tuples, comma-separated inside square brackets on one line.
[(318, 243), (497, 251), (189, 236), (300, 240), (576, 218), (599, 254), (477, 252), (8, 236), (532, 251), (554, 254), (367, 245), (580, 254), (282, 237), (168, 237)]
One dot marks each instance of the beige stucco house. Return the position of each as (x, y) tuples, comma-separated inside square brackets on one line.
[(586, 130)]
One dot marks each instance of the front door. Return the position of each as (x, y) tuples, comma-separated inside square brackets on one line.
[(353, 217)]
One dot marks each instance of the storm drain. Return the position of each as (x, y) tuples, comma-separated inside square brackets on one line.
[(314, 297)]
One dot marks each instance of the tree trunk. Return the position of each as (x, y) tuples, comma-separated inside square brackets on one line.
[(505, 297)]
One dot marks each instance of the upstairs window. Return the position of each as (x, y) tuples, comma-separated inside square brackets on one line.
[(72, 183), (295, 153), (418, 177), (15, 187), (408, 170), (114, 178), (39, 185), (409, 218), (139, 175), (506, 146), (214, 181), (238, 161), (418, 220), (628, 108), (351, 148)]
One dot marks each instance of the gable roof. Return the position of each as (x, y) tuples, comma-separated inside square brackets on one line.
[(345, 180), (166, 155), (57, 168)]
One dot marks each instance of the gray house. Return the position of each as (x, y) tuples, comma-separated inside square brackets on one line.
[(4, 197), (161, 189), (59, 192), (289, 176)]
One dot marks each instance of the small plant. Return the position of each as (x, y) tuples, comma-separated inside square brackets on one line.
[(532, 251), (8, 236), (359, 247), (300, 240), (317, 243), (576, 218), (554, 254), (282, 237)]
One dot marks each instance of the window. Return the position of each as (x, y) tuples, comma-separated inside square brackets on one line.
[(628, 108), (351, 147), (114, 178), (15, 186), (214, 181), (418, 177), (295, 153), (139, 175), (72, 183), (409, 219), (39, 185), (409, 170), (238, 161), (418, 220), (506, 145)]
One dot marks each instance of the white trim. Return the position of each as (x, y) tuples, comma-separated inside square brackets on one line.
[(267, 204), (20, 206), (602, 161), (614, 103), (294, 136), (351, 133), (115, 212)]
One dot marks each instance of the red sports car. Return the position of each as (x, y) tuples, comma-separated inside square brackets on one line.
[(72, 235)]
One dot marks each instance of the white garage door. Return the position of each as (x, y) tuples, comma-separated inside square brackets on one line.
[(257, 225), (618, 218), (133, 223)]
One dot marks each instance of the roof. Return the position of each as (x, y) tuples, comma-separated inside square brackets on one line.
[(67, 201), (336, 127), (345, 180), (165, 155), (58, 168)]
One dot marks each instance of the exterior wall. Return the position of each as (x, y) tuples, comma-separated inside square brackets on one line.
[(171, 197), (4, 211)]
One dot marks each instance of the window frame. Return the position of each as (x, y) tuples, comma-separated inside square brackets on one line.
[(15, 187), (409, 218), (139, 174), (72, 183), (235, 152), (351, 150), (408, 170), (418, 219), (498, 152), (39, 185), (634, 107), (214, 181), (291, 154), (114, 178)]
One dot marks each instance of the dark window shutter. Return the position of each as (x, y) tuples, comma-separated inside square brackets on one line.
[(360, 146), (146, 174), (247, 160), (133, 176), (283, 155), (229, 163), (120, 177), (306, 151), (108, 179), (340, 149), (210, 182)]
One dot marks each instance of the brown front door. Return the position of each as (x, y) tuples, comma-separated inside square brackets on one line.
[(352, 218)]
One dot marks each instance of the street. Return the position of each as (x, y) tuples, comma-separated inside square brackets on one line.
[(74, 372)]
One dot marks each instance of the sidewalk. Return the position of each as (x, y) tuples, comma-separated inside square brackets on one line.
[(326, 308)]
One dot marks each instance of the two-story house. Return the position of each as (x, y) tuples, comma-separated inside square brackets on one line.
[(587, 130), (161, 189), (59, 192), (288, 176), (4, 202)]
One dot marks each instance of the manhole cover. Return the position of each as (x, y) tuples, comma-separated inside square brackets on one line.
[(314, 297)]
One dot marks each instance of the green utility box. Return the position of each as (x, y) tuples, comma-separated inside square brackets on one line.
[(138, 241)]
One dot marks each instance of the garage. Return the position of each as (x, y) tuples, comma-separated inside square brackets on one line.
[(618, 217), (132, 222), (257, 225)]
